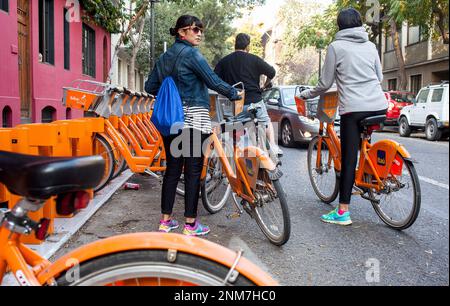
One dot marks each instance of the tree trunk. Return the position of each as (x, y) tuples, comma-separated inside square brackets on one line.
[(399, 54), (441, 23), (134, 51)]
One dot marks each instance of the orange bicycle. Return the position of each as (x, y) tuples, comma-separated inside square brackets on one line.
[(385, 175), (246, 172), (139, 259)]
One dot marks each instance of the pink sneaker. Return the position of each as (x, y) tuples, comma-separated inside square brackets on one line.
[(196, 230), (168, 226)]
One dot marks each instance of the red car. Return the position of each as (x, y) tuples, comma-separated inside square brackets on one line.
[(397, 101)]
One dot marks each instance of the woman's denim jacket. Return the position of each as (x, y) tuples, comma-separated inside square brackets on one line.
[(191, 74)]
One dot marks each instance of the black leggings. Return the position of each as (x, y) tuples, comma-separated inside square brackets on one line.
[(192, 160), (350, 143)]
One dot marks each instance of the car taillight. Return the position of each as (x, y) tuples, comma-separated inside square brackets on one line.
[(69, 203), (391, 106), (41, 230)]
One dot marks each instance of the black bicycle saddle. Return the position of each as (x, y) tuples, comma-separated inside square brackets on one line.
[(40, 177)]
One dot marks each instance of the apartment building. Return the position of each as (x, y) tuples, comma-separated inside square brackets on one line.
[(426, 60)]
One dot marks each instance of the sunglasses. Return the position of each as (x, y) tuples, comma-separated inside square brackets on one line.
[(194, 29)]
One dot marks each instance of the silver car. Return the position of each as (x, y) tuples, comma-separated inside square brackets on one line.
[(282, 110)]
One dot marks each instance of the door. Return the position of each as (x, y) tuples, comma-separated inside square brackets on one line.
[(419, 110), (24, 57)]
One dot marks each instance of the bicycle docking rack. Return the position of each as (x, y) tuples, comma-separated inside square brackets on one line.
[(118, 115)]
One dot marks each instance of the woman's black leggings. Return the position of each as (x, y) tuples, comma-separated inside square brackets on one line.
[(350, 143), (185, 150)]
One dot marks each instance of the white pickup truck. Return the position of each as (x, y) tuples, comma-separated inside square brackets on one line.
[(429, 113)]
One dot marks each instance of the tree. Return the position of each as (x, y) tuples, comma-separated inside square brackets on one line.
[(216, 15)]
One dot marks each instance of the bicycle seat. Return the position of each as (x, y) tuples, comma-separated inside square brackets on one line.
[(117, 89), (369, 121), (40, 177), (128, 92), (138, 94)]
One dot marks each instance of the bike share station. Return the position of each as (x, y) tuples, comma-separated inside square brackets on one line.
[(118, 128), (80, 137)]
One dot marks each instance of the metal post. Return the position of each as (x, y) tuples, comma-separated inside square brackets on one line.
[(152, 34), (320, 63)]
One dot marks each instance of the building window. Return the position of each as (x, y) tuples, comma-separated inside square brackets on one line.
[(46, 32), (415, 35), (66, 41), (7, 117), (48, 114), (4, 5), (392, 84), (119, 72), (389, 44), (416, 83), (88, 51)]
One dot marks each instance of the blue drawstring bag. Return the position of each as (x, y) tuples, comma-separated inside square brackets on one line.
[(168, 115)]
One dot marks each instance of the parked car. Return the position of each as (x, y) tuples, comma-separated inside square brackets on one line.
[(429, 113), (282, 109), (397, 101)]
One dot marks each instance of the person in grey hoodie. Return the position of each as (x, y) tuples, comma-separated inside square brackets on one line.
[(352, 62)]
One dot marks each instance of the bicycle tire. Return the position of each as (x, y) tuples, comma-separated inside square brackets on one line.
[(149, 267), (412, 216), (102, 147), (215, 192), (257, 214), (121, 165), (331, 196)]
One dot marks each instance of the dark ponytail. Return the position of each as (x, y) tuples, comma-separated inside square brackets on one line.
[(185, 21)]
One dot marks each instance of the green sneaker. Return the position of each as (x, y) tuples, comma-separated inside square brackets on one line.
[(335, 218)]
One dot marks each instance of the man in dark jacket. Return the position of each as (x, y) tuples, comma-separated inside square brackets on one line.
[(242, 66)]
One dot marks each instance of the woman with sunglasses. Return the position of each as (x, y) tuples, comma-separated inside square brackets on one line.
[(193, 76)]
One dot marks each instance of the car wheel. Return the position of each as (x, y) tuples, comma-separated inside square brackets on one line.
[(403, 127), (287, 135), (432, 131)]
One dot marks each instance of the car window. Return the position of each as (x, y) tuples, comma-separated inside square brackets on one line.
[(266, 95), (437, 95), (288, 94), (276, 95), (422, 98), (402, 98)]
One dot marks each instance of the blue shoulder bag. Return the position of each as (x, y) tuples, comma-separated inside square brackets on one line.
[(168, 115)]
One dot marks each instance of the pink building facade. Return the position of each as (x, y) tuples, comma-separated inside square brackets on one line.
[(40, 53)]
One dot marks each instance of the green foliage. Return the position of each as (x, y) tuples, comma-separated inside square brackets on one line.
[(216, 15), (105, 13), (319, 33)]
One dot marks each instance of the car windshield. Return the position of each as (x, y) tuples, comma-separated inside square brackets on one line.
[(403, 98), (288, 94)]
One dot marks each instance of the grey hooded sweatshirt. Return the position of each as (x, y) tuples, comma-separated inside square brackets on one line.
[(353, 62)]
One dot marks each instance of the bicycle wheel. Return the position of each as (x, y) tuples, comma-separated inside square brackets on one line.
[(324, 179), (398, 205), (120, 166), (150, 268), (180, 187), (103, 148), (215, 189), (271, 210)]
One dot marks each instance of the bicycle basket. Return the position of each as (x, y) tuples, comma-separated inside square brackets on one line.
[(83, 94), (327, 106)]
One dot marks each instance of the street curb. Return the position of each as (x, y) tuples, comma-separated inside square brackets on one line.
[(65, 228)]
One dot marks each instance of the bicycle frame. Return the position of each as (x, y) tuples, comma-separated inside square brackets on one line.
[(248, 162), (379, 169)]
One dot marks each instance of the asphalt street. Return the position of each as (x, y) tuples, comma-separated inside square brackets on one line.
[(317, 253)]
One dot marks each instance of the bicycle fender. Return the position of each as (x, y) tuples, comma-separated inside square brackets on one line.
[(156, 241), (382, 155)]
